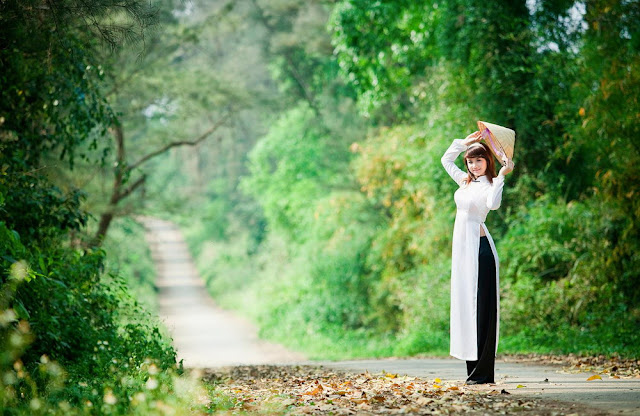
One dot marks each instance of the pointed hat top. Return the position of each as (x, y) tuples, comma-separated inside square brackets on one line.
[(501, 140)]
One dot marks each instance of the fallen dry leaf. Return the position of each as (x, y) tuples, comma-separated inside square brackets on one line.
[(594, 377)]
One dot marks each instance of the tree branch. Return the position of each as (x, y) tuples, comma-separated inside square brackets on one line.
[(180, 143), (131, 188), (121, 169), (291, 65), (118, 180)]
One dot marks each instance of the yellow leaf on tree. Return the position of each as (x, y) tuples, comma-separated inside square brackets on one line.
[(594, 377)]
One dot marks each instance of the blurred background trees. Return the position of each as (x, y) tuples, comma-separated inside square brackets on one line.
[(348, 245)]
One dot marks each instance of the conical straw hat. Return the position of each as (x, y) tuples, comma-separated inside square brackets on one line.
[(501, 140)]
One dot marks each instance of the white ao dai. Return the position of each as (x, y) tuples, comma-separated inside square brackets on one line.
[(473, 202)]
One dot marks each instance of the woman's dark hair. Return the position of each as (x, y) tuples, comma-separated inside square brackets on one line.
[(480, 150)]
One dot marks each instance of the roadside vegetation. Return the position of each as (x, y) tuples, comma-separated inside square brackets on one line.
[(78, 331)]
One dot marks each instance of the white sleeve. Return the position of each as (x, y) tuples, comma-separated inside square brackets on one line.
[(494, 198), (448, 161)]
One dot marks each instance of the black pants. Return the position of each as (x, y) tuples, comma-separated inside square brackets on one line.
[(482, 370)]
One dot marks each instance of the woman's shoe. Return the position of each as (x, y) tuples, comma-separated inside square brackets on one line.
[(474, 382)]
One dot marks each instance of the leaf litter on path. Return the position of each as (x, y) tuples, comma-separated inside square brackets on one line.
[(314, 390), (614, 367)]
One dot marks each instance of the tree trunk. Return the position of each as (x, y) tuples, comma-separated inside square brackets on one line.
[(123, 170)]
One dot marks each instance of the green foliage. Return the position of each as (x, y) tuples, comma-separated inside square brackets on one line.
[(410, 242), (72, 338), (295, 164), (37, 211), (383, 49), (49, 88), (128, 255), (60, 313), (560, 278)]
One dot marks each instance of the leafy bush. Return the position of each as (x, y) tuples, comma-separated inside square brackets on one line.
[(74, 341), (128, 255), (562, 291)]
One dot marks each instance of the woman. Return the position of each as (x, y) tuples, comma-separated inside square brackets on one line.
[(475, 310)]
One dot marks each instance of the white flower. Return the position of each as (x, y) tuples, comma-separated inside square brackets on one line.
[(152, 383), (110, 398)]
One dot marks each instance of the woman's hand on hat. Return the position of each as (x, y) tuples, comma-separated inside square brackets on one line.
[(472, 138), (507, 167)]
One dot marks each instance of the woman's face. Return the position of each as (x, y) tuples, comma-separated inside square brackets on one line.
[(477, 166)]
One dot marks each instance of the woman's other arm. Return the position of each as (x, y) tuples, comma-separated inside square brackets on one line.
[(494, 198), (495, 193)]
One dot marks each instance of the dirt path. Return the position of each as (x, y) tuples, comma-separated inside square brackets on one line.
[(204, 335)]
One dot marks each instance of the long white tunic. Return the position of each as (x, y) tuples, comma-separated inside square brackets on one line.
[(473, 202)]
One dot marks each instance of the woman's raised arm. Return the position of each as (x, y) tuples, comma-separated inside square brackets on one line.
[(448, 161)]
